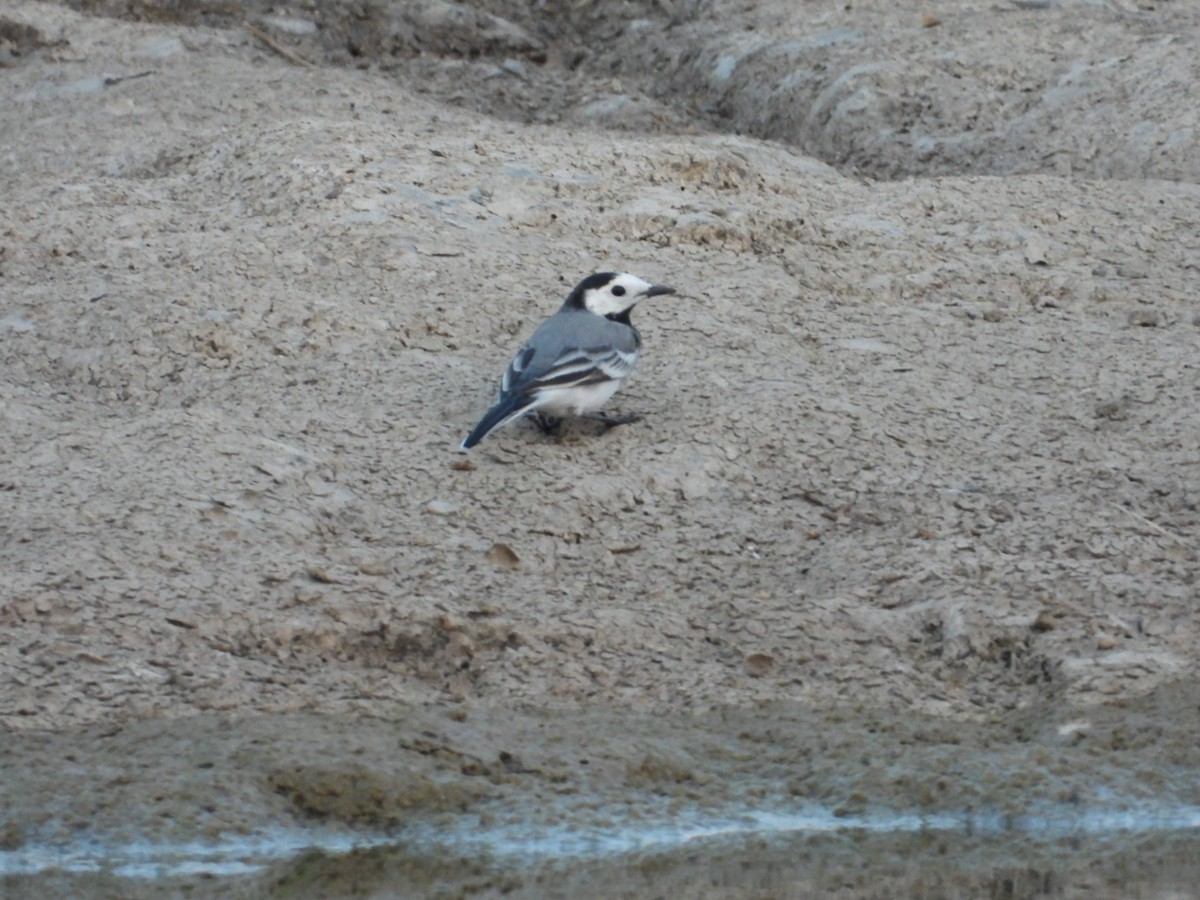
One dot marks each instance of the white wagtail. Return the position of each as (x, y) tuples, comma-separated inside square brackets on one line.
[(576, 360)]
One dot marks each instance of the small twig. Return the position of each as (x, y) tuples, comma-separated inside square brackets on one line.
[(110, 80), (273, 44), (1152, 524)]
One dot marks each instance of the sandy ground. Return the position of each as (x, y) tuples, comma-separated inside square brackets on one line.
[(920, 430)]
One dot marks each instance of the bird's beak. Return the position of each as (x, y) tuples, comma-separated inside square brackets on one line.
[(656, 289)]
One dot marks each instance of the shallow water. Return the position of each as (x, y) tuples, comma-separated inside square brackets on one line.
[(762, 802), (1144, 851)]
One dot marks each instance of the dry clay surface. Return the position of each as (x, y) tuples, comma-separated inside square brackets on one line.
[(925, 447)]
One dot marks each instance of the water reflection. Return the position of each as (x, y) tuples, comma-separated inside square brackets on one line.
[(854, 862)]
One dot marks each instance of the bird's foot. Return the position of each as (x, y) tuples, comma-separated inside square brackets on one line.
[(547, 424)]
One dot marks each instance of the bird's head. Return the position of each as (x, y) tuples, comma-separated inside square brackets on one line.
[(612, 293)]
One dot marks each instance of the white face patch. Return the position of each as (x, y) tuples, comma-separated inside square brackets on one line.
[(617, 296)]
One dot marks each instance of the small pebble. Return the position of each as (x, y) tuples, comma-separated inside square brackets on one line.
[(1145, 318), (759, 664)]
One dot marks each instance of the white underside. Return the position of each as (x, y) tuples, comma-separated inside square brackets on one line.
[(574, 401)]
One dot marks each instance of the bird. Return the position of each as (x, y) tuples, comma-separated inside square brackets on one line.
[(575, 360)]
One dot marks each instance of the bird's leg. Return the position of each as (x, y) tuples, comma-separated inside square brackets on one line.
[(548, 424)]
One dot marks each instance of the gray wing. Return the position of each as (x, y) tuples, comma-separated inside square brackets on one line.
[(570, 349), (516, 368), (587, 366)]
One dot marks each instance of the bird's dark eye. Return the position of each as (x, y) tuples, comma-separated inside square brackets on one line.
[(618, 290)]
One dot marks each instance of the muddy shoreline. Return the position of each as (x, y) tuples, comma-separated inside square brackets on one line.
[(529, 798)]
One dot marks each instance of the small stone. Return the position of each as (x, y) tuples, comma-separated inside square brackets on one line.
[(1074, 730), (694, 486), (1145, 318), (1035, 250), (290, 25), (759, 664), (1045, 621), (441, 508), (1106, 642), (321, 575), (503, 556), (375, 566)]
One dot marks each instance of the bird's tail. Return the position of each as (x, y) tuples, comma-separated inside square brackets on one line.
[(502, 413)]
